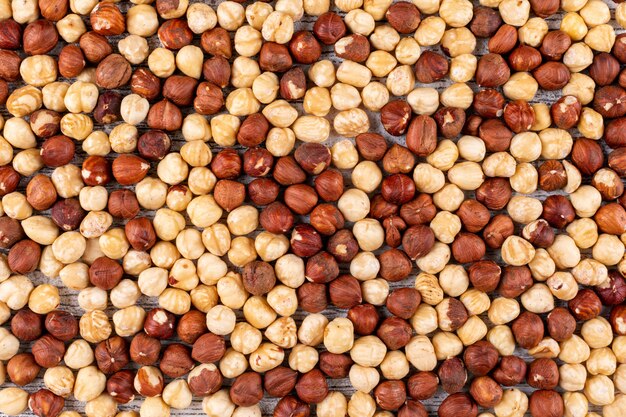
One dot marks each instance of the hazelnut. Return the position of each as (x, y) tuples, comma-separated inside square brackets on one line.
[(543, 373), (280, 381), (26, 325), (457, 404), (511, 371), (45, 403), (452, 375)]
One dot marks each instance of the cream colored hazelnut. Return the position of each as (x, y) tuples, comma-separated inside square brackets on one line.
[(421, 353), (431, 30), (278, 27), (401, 80), (503, 310), (424, 100), (363, 378), (514, 403), (435, 260), (364, 266), (303, 358), (520, 86), (458, 41), (501, 337), (71, 27)]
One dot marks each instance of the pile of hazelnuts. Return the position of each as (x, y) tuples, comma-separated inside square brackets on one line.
[(231, 206)]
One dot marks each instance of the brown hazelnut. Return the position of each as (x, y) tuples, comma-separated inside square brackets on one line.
[(604, 69), (123, 204), (495, 134), (403, 17), (539, 233), (381, 208), (412, 409), (545, 403), (421, 138), (120, 386), (552, 176), (354, 47), (257, 162), (608, 183), (511, 371), (10, 34), (586, 305), (280, 381), (165, 115), (67, 214), (364, 317), (276, 218), (418, 240), (611, 218), (291, 406), (53, 10), (24, 256), (431, 67), (519, 116), (343, 245), (334, 365), (403, 302), (108, 107), (468, 247), (62, 325), (485, 23), (450, 121), (452, 375), (154, 145), (617, 319), (390, 395), (191, 326), (258, 277), (613, 291), (263, 191), (473, 215), (45, 123), (321, 268), (422, 385), (492, 71), (140, 234), (515, 281), (504, 40), (217, 42), (208, 348), (524, 58), (300, 198), (565, 112), (159, 323), (112, 355), (129, 169), (314, 158), (274, 57), (543, 373), (205, 380), (485, 275), (9, 180), (485, 391), (329, 28), (229, 194), (44, 403), (326, 219), (145, 350), (555, 44), (174, 34), (499, 228), (71, 61), (112, 72), (293, 83), (552, 75), (180, 89), (10, 70), (226, 164), (176, 361), (144, 83), (558, 211), (216, 70), (587, 155), (394, 265), (395, 332), (394, 226), (459, 404), (57, 151), (26, 325), (106, 19), (489, 103), (48, 351), (10, 232), (253, 130), (561, 324), (345, 292), (304, 47), (398, 159), (494, 193), (312, 297), (149, 381), (371, 146), (312, 387), (105, 273), (247, 389), (39, 37), (480, 358), (395, 117), (40, 192), (96, 170), (528, 330), (22, 369)]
